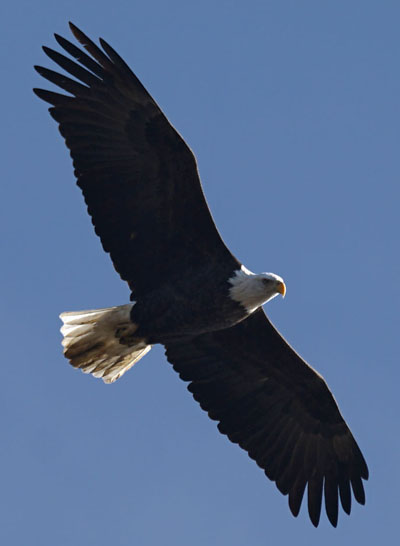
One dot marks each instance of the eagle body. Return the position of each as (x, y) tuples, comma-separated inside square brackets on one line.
[(189, 293), (165, 311)]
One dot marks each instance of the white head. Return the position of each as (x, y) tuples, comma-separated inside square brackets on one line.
[(252, 291)]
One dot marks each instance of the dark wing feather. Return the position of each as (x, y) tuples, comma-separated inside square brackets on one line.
[(277, 408), (138, 177)]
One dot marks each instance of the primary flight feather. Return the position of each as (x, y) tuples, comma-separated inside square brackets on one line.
[(189, 293)]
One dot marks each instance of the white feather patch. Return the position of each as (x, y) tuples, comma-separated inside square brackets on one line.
[(102, 342), (249, 289)]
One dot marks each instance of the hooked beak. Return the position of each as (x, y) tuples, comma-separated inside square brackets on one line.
[(281, 288)]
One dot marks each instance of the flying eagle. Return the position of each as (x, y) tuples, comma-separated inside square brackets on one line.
[(189, 293)]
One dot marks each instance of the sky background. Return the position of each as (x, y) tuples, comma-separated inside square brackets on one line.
[(292, 109)]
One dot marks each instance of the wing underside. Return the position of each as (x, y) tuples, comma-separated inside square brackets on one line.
[(138, 177), (278, 409)]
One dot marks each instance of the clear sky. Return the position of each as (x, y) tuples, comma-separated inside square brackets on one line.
[(292, 109)]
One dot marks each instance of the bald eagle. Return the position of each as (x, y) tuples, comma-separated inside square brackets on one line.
[(188, 292)]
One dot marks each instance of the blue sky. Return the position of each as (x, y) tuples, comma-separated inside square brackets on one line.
[(292, 109)]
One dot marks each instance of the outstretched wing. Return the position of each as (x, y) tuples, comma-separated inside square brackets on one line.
[(138, 177), (277, 408)]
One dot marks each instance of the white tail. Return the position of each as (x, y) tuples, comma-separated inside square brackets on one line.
[(102, 342)]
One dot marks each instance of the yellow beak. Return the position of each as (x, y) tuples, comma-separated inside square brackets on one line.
[(282, 288)]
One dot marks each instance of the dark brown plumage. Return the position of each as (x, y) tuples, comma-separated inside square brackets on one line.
[(277, 408), (143, 192), (129, 159)]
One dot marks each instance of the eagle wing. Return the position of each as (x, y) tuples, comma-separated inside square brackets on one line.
[(138, 177), (277, 408)]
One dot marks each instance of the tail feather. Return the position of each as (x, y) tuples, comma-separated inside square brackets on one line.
[(102, 341)]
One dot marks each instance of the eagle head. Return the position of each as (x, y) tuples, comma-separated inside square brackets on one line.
[(252, 290)]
